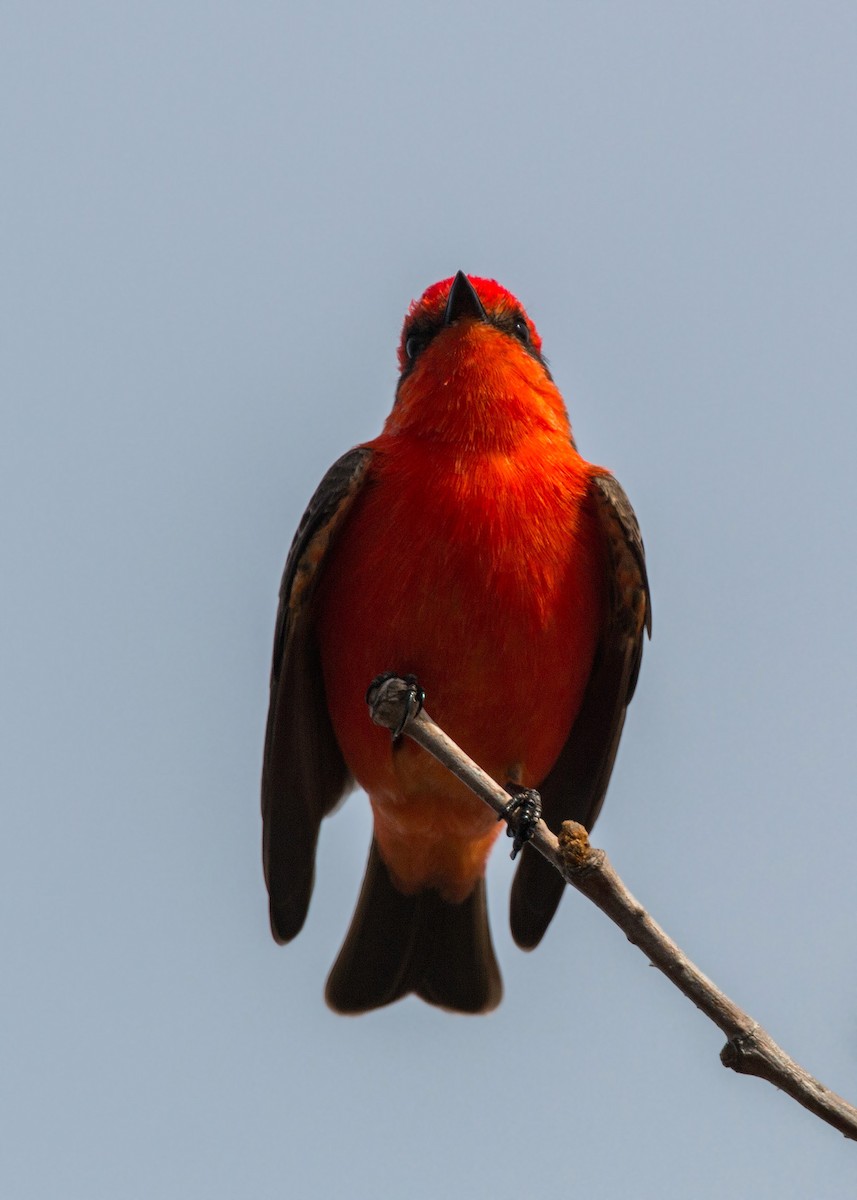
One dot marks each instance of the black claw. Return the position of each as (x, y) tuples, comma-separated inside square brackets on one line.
[(527, 803), (415, 698)]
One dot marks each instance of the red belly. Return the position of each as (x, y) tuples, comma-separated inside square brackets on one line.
[(487, 585)]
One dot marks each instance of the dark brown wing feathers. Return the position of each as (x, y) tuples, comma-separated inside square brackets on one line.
[(303, 772), (574, 790)]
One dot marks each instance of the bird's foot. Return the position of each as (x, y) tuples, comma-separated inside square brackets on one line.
[(527, 804), (411, 697)]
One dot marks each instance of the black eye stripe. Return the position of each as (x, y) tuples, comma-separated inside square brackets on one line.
[(422, 332)]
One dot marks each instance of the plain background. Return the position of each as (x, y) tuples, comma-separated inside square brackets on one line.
[(213, 219)]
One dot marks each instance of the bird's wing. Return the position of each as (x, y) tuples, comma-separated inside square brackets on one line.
[(303, 773), (574, 789)]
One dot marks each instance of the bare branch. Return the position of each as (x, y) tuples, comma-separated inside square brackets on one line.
[(749, 1050)]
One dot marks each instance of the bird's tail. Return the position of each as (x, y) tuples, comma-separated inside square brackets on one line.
[(399, 944)]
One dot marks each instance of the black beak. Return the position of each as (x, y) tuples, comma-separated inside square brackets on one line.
[(463, 301)]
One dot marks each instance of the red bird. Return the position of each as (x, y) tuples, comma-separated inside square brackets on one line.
[(471, 546)]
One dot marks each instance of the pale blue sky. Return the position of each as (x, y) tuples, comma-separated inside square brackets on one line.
[(214, 218)]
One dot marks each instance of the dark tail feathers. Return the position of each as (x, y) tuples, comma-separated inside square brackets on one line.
[(400, 944)]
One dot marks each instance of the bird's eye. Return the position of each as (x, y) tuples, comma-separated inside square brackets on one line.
[(413, 346), (522, 330)]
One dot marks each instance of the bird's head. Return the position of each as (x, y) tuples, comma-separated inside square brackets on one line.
[(472, 366), (453, 307)]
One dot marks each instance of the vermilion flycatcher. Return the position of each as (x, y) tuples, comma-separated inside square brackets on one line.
[(471, 546)]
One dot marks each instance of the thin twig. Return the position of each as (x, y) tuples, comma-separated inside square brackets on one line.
[(749, 1050)]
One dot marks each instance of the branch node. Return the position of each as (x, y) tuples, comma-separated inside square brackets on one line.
[(577, 854), (741, 1052)]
